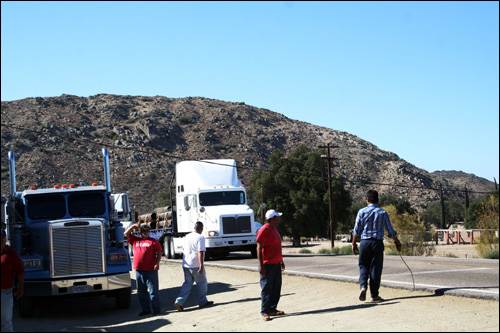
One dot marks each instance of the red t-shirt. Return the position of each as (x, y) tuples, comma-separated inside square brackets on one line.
[(144, 252), (11, 264), (270, 239)]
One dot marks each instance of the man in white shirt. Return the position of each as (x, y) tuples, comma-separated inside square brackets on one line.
[(194, 270)]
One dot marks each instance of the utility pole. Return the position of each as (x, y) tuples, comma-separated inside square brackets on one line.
[(329, 159)]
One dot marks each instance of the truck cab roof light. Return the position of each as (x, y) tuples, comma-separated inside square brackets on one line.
[(72, 185), (56, 186), (32, 187), (64, 186), (94, 184)]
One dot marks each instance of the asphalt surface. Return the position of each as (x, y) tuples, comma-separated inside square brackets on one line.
[(477, 278)]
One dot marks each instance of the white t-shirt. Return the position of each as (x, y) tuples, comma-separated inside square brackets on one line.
[(193, 244)]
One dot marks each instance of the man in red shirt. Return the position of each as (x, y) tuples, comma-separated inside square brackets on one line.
[(270, 265), (147, 256), (12, 268)]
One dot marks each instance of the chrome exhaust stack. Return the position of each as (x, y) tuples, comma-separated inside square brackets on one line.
[(12, 174), (107, 176)]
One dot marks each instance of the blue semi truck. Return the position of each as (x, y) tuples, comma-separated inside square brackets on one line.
[(70, 239)]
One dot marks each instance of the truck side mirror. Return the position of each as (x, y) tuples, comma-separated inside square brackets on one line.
[(186, 203)]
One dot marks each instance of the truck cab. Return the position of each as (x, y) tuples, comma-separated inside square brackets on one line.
[(210, 192), (70, 240)]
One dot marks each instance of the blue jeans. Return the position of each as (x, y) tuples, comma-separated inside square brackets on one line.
[(371, 262), (271, 288), (7, 303), (148, 280), (191, 276)]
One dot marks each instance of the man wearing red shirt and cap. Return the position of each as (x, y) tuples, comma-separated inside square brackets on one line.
[(147, 256), (270, 265)]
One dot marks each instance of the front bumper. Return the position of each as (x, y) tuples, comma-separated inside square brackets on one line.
[(215, 242), (81, 285)]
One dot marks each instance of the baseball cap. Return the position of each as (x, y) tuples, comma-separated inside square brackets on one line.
[(272, 213)]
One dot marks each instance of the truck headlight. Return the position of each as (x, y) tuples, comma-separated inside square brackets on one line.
[(212, 233)]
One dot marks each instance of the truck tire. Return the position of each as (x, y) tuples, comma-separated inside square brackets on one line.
[(26, 307), (166, 247), (123, 298), (254, 253)]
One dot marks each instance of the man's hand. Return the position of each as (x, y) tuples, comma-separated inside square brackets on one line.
[(355, 248), (398, 246), (282, 266), (262, 270), (19, 293)]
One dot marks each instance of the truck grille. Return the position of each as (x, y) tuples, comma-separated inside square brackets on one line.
[(240, 225), (77, 251)]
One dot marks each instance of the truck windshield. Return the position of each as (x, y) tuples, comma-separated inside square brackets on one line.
[(46, 207), (86, 204), (222, 198)]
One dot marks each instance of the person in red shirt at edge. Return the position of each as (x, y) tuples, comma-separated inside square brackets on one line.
[(12, 269), (271, 265), (147, 256)]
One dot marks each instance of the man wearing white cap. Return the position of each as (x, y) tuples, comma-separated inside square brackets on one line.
[(270, 265)]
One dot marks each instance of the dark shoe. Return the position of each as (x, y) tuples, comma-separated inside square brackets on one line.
[(179, 307), (266, 317), (207, 304), (156, 312), (362, 295), (144, 313), (377, 299), (277, 313)]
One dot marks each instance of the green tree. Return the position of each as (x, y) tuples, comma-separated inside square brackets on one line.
[(466, 212), (402, 205), (342, 202), (295, 186), (453, 213), (443, 220)]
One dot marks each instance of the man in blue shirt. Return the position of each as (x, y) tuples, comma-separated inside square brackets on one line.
[(370, 224)]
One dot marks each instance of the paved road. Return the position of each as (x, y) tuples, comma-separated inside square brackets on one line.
[(477, 278)]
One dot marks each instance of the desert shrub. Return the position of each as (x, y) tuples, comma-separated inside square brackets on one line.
[(346, 250), (334, 250), (493, 254), (392, 252), (488, 220), (307, 251)]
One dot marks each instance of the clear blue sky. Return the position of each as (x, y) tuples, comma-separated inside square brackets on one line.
[(420, 79)]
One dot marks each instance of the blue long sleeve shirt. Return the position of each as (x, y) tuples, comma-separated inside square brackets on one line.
[(370, 223)]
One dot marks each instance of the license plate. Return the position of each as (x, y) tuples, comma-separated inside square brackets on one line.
[(80, 289)]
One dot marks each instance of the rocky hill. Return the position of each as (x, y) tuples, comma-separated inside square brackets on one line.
[(58, 140)]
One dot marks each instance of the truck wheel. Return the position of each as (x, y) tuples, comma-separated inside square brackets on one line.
[(123, 298), (166, 247), (26, 307), (254, 253)]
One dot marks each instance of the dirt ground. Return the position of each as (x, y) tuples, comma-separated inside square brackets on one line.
[(310, 305)]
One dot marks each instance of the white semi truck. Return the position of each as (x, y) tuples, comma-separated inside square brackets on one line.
[(208, 191)]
